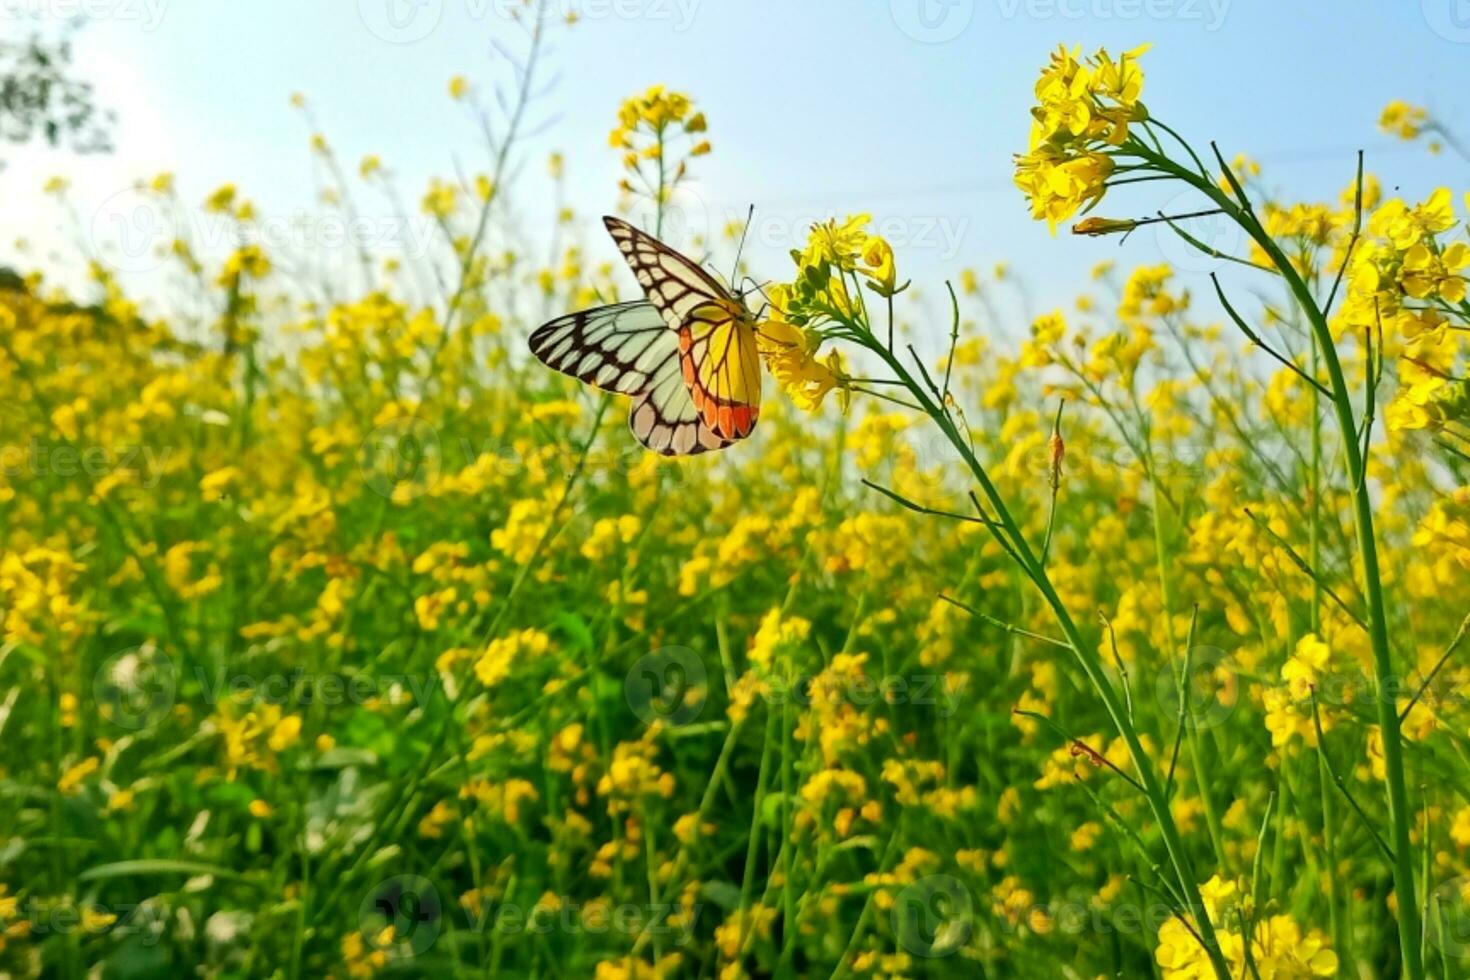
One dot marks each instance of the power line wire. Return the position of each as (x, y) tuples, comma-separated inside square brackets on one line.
[(990, 185)]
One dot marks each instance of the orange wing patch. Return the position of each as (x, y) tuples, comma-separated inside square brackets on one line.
[(718, 360), (721, 365)]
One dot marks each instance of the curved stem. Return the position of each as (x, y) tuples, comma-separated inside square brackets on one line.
[(1377, 613), (1086, 655)]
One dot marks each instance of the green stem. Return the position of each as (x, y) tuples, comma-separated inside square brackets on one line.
[(752, 846), (1087, 657), (1341, 935), (1166, 592), (1396, 788)]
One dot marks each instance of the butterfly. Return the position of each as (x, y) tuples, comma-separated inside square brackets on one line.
[(687, 354)]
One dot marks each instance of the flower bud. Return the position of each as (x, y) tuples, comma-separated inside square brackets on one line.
[(1103, 226)]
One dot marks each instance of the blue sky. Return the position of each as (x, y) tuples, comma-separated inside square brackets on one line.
[(909, 109)]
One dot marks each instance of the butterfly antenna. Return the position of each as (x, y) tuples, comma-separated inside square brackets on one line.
[(740, 249), (760, 287)]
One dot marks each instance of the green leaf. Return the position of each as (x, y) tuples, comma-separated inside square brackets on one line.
[(341, 757), (161, 866), (576, 628), (233, 795), (724, 894)]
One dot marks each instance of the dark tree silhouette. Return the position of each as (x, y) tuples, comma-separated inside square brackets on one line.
[(40, 98)]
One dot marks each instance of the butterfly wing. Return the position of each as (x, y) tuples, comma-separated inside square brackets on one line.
[(721, 367), (627, 348), (688, 355), (673, 283), (617, 348), (719, 361), (664, 418)]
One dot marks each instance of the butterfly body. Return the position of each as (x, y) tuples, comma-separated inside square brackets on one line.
[(687, 355)]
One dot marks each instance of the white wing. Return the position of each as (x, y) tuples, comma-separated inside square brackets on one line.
[(628, 348), (616, 348)]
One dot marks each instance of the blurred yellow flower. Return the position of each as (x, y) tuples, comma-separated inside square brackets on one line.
[(1403, 120), (222, 200)]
